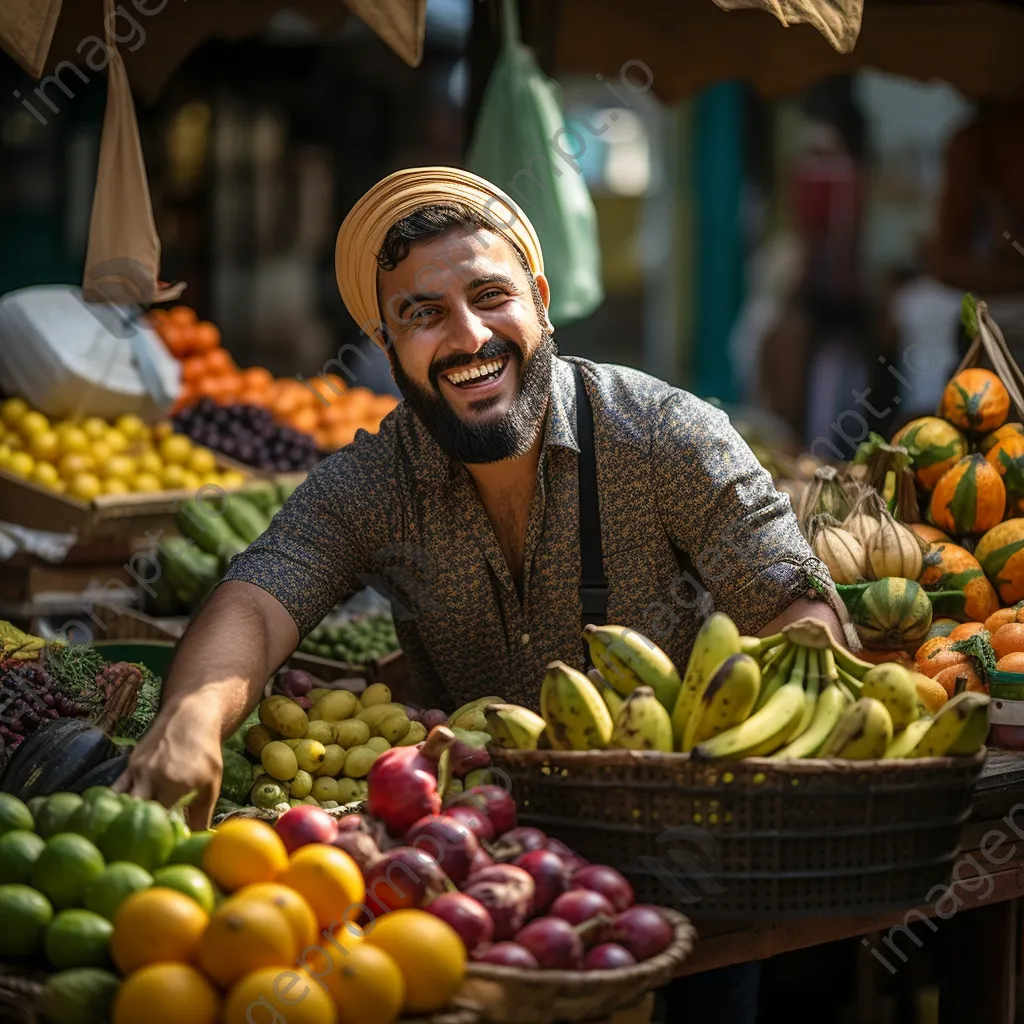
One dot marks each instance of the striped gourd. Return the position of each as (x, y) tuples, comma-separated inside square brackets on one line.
[(976, 400), (951, 567), (1007, 456), (929, 534), (1001, 554), (893, 612), (934, 445), (989, 441), (969, 498)]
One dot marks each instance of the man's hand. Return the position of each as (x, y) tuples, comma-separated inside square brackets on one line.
[(179, 753)]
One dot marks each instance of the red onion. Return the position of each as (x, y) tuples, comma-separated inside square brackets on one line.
[(296, 683), (481, 859), (476, 821), (573, 861), (643, 930), (550, 878), (608, 882), (509, 954), (433, 717), (507, 893), (413, 713), (402, 878), (577, 906), (305, 703), (518, 841), (467, 916), (448, 841), (403, 782), (554, 943), (608, 957), (304, 825), (359, 846), (496, 803), (350, 822)]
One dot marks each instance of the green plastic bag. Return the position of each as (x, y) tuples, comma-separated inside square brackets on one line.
[(521, 143)]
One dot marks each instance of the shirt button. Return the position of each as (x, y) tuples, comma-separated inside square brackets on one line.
[(525, 638)]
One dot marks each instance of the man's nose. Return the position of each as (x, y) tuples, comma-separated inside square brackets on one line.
[(469, 332)]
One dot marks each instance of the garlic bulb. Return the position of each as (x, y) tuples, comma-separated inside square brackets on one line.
[(863, 526), (894, 551), (842, 553), (824, 495)]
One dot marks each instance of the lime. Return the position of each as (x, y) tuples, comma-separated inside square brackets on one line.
[(188, 880), (80, 996), (54, 813), (65, 868), (95, 792), (34, 805), (25, 914), (190, 851), (142, 834), (14, 815), (181, 829), (93, 818), (105, 893), (78, 938), (18, 852)]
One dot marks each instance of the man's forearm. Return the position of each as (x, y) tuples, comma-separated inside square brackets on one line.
[(807, 608)]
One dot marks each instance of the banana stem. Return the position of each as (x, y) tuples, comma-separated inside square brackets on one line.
[(756, 646), (773, 657), (799, 672), (855, 686), (771, 683), (848, 663), (828, 665)]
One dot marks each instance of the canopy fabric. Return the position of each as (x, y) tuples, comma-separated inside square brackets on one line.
[(690, 44), (39, 34)]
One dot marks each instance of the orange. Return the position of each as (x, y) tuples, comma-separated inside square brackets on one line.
[(244, 851), (166, 994), (293, 994), (965, 630), (193, 369), (333, 950), (1013, 662), (935, 655), (930, 692), (1000, 618), (930, 647), (299, 913), (429, 953), (182, 315), (257, 378), (205, 336), (949, 677), (218, 362), (156, 925), (330, 881), (306, 419), (1019, 617), (368, 988), (244, 935), (1008, 639)]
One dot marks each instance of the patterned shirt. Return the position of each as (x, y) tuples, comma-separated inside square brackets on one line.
[(689, 522)]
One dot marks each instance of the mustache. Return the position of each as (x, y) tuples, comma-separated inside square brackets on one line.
[(493, 348)]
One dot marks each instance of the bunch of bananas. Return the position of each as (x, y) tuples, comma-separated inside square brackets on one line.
[(16, 643), (796, 694)]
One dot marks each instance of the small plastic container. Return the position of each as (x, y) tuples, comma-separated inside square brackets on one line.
[(1006, 711)]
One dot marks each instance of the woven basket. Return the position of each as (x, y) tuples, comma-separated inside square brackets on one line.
[(509, 995), (755, 838)]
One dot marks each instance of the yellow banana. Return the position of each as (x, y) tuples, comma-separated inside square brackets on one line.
[(761, 734), (717, 640), (904, 741), (959, 727), (862, 734), (891, 684), (642, 723), (728, 698), (627, 659), (471, 716), (513, 727), (576, 717), (827, 711)]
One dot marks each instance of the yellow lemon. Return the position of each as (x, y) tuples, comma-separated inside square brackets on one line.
[(5, 452), (130, 426), (232, 478), (44, 445), (176, 449), (85, 486), (20, 464), (73, 439), (33, 423), (74, 462), (202, 461), (145, 482), (100, 452), (45, 474), (95, 428), (14, 442), (210, 480), (116, 440), (173, 477), (150, 462), (118, 467), (191, 481), (12, 410), (162, 430), (114, 485)]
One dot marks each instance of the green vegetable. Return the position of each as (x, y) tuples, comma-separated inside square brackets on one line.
[(237, 779), (236, 741), (245, 519), (209, 528)]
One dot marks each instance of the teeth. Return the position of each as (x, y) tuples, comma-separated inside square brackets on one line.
[(476, 371)]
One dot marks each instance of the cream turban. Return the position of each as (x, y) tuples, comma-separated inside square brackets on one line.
[(399, 195)]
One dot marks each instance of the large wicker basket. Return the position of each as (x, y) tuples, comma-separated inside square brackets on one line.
[(755, 838)]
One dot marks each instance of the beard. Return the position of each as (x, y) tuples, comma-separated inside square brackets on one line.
[(506, 437)]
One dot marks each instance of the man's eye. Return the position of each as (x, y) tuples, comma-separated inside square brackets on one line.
[(491, 293), (422, 313)]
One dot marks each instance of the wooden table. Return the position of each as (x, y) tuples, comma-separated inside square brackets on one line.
[(976, 924)]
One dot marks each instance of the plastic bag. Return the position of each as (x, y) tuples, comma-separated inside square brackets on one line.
[(522, 145)]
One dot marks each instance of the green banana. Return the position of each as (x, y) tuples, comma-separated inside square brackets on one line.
[(727, 699), (891, 684), (471, 716), (960, 727), (761, 734), (717, 639), (827, 711), (904, 741), (862, 734), (642, 723), (776, 674), (612, 700), (575, 716), (513, 727), (812, 686), (627, 659)]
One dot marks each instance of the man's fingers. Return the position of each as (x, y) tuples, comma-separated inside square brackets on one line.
[(200, 811), (123, 782)]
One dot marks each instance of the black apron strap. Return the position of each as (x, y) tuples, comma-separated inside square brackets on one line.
[(593, 585)]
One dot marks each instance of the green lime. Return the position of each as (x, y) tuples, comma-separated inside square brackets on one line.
[(190, 851), (14, 815), (94, 792), (54, 813), (78, 938), (18, 852), (189, 880), (80, 996), (25, 914), (94, 817), (142, 834), (181, 830), (34, 805), (65, 868), (106, 892)]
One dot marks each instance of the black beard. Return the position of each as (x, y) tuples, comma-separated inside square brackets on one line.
[(505, 438)]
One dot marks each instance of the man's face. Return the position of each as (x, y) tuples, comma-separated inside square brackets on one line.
[(471, 350)]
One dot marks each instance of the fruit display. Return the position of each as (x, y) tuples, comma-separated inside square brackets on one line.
[(356, 641), (90, 458), (249, 434), (322, 407), (797, 694)]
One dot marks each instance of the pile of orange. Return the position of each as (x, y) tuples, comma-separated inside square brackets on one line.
[(323, 406), (282, 940)]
